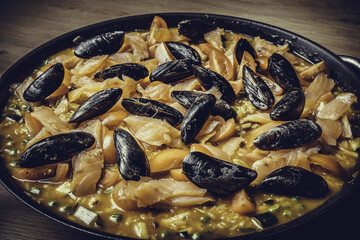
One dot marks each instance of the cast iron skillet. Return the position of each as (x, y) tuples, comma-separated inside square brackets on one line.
[(344, 70)]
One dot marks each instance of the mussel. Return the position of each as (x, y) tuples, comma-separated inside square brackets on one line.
[(183, 51), (289, 135), (45, 84), (196, 116), (195, 29), (209, 79), (56, 148), (282, 72), (131, 159), (99, 103), (241, 46), (221, 108), (215, 175), (257, 90), (133, 70), (172, 71), (294, 181), (106, 43), (289, 107), (151, 108)]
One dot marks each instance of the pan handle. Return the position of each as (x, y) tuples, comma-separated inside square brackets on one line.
[(352, 62)]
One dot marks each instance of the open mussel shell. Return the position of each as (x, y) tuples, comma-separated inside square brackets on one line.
[(106, 43), (283, 72), (257, 90), (289, 107), (131, 159), (289, 135), (241, 46), (221, 108), (294, 181), (209, 79), (154, 109), (56, 148), (133, 70), (45, 84), (183, 51), (196, 116), (215, 175), (195, 29), (99, 103), (172, 71)]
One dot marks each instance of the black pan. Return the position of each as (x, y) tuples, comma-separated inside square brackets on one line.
[(345, 71)]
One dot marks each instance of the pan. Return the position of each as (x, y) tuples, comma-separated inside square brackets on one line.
[(345, 70)]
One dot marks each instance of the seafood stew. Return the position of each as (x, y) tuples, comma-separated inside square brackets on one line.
[(209, 161)]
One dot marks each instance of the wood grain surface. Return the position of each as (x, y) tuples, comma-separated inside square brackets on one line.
[(24, 25)]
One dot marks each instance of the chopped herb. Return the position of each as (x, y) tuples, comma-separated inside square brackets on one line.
[(165, 235), (265, 219), (35, 191), (205, 219), (196, 236), (52, 203), (274, 208), (287, 213), (116, 217)]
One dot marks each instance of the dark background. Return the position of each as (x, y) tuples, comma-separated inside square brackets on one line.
[(24, 25)]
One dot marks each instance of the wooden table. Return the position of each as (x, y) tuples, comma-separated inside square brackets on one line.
[(25, 25)]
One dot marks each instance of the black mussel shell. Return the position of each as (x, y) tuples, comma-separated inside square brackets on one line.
[(196, 116), (289, 135), (221, 108), (154, 109), (133, 70), (294, 181), (106, 43), (56, 148), (209, 79), (195, 29), (131, 159), (99, 103), (172, 71), (289, 107), (45, 84), (215, 175), (283, 72), (257, 90), (183, 51), (241, 46)]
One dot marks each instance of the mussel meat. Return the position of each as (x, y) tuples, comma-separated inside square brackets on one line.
[(257, 90), (289, 107), (209, 79), (172, 71), (221, 108), (289, 135), (195, 29), (294, 181), (131, 159), (45, 84), (133, 70), (215, 175), (183, 51), (196, 116), (99, 103), (106, 43), (241, 46), (154, 109), (283, 72), (56, 148)]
